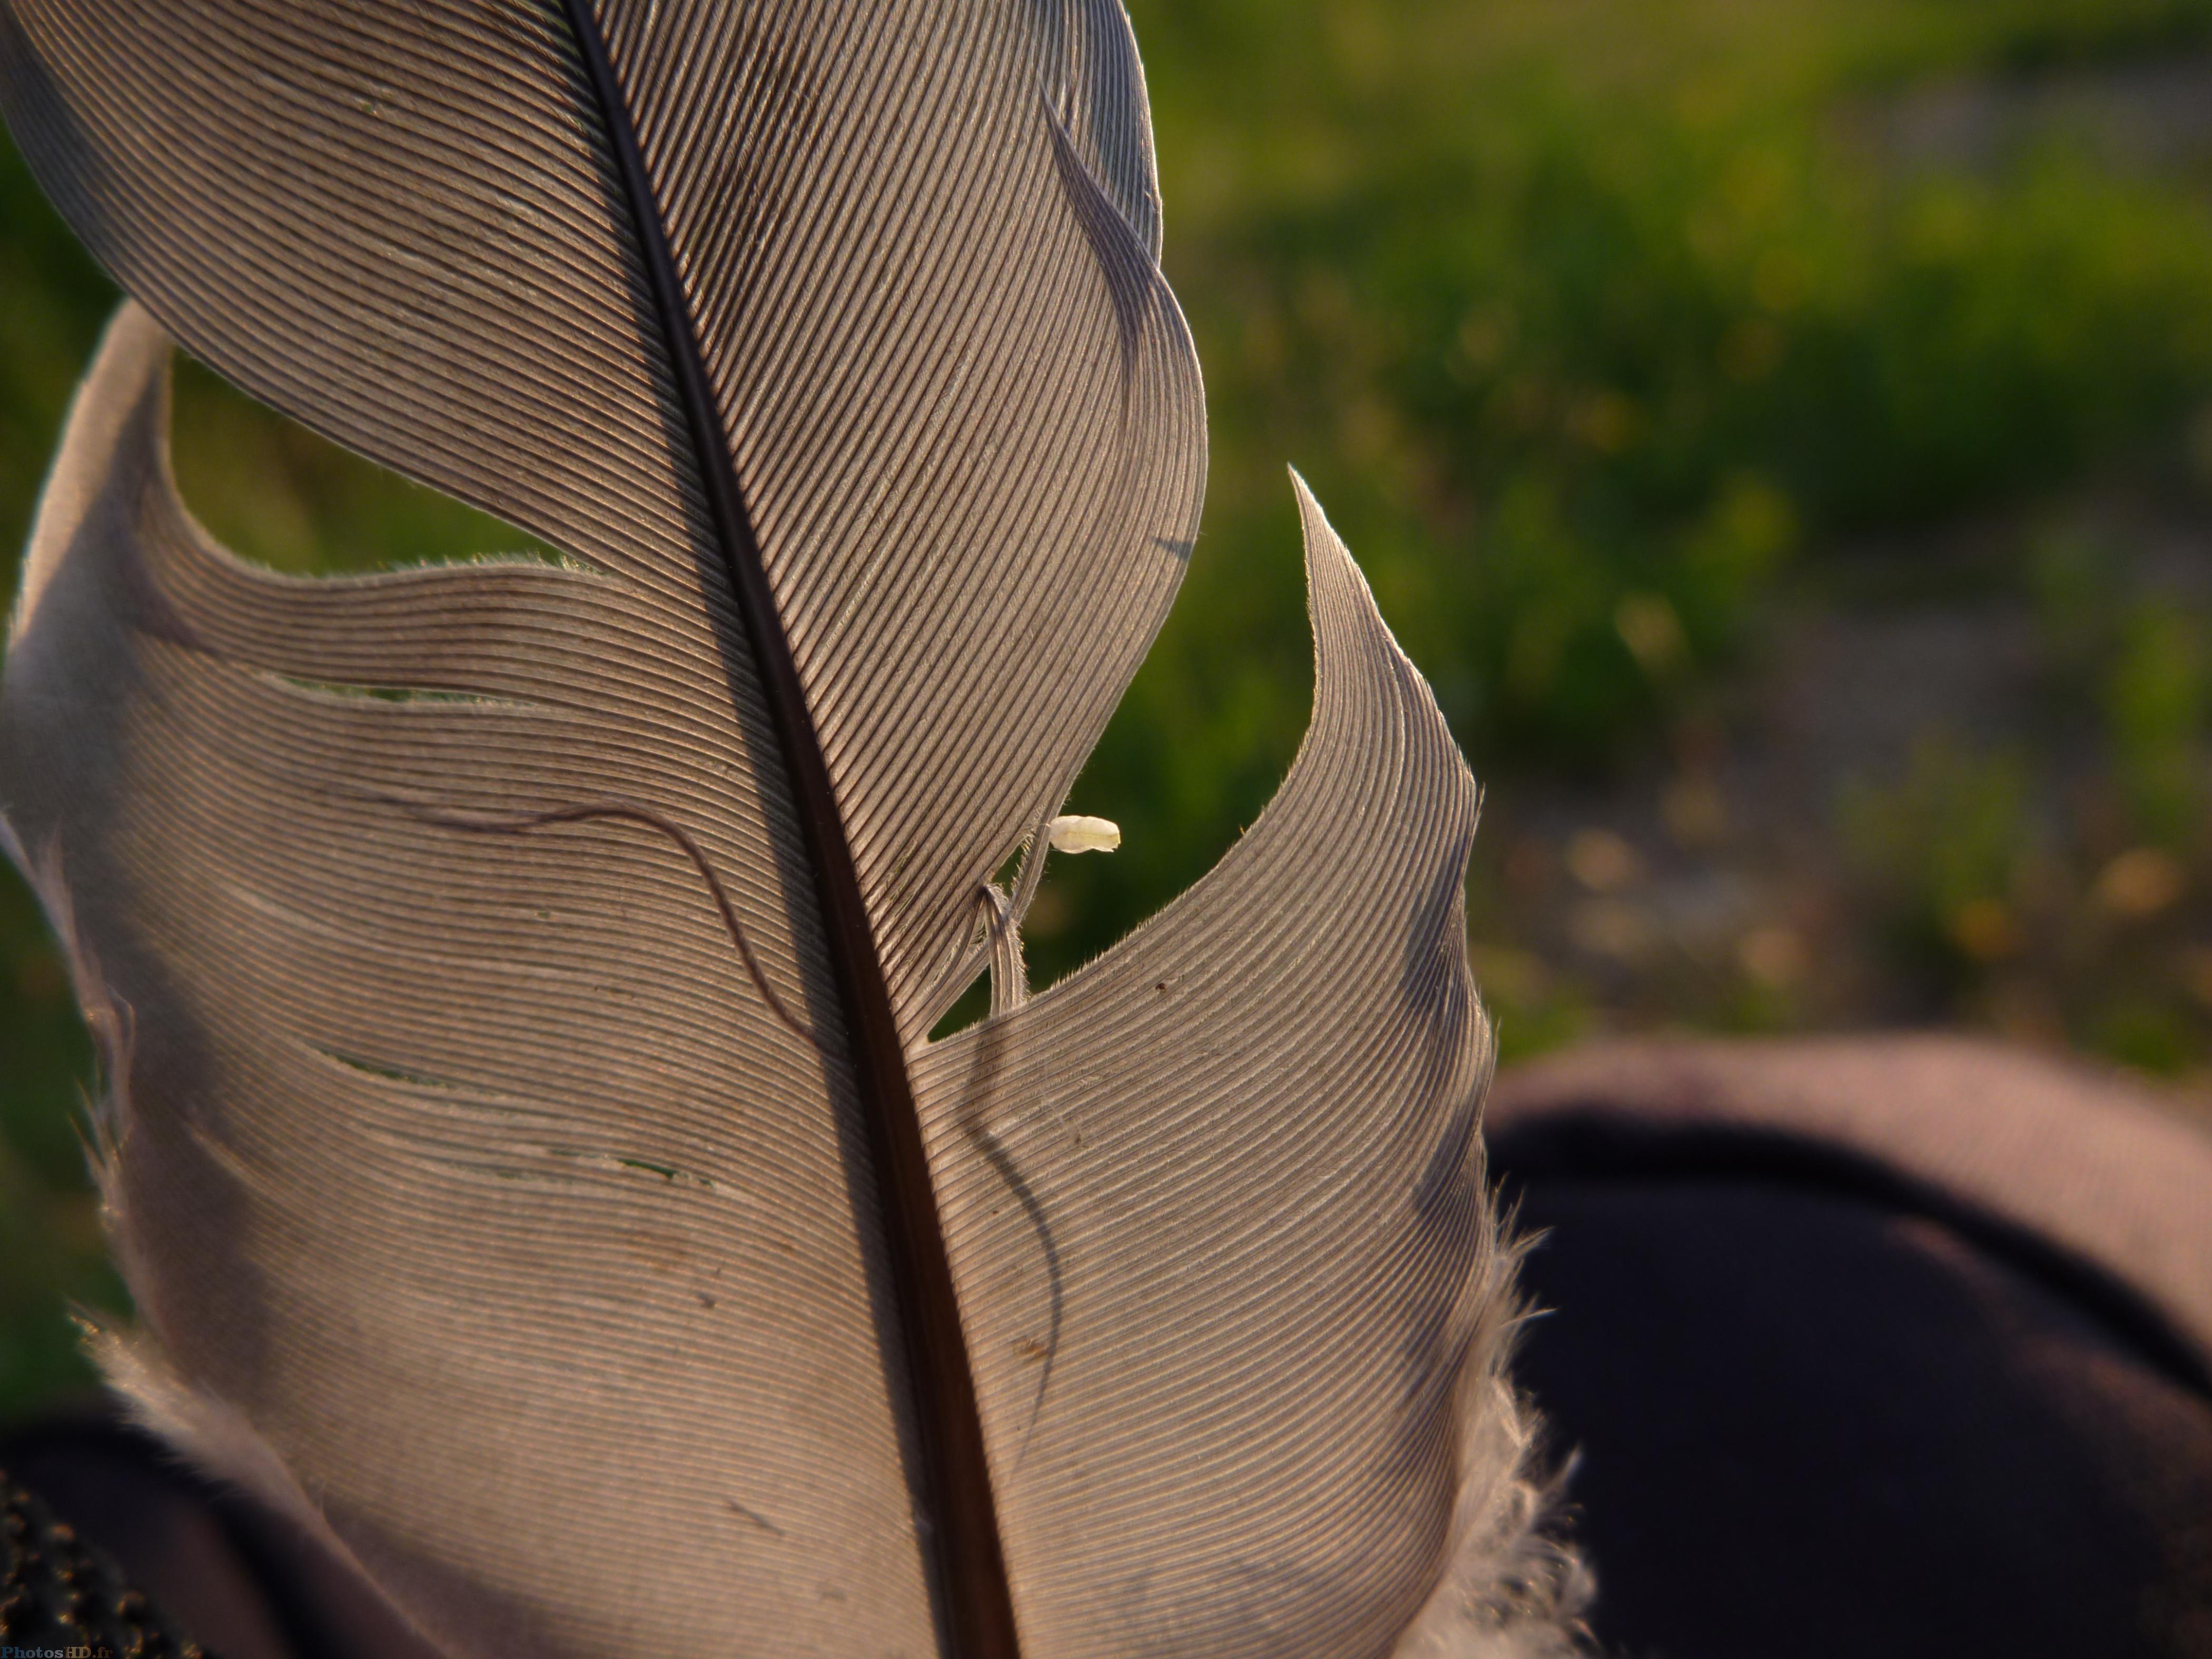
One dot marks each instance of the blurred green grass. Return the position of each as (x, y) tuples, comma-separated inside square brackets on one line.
[(1605, 332)]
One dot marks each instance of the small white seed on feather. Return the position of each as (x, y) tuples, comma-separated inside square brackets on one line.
[(1076, 834)]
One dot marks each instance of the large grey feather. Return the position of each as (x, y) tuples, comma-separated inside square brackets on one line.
[(492, 1184)]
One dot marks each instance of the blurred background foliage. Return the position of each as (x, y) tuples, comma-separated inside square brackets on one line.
[(1781, 431)]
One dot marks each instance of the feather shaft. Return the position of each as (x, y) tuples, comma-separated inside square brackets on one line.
[(966, 1559)]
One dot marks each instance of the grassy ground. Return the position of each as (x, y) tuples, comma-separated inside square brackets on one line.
[(1781, 431)]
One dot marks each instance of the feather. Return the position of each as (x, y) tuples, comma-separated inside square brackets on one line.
[(526, 1150)]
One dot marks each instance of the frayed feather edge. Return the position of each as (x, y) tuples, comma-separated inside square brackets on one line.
[(1511, 1587), (209, 1434), (107, 1018)]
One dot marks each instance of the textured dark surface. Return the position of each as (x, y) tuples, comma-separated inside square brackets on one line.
[(56, 1590), (243, 1581), (1825, 1406), (2079, 1175)]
